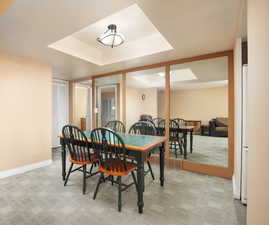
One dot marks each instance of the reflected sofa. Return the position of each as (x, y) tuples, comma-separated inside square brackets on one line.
[(218, 127)]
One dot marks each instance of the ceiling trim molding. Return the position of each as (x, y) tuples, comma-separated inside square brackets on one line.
[(161, 64), (4, 5)]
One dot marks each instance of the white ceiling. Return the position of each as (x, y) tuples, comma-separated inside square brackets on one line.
[(192, 27), (141, 39)]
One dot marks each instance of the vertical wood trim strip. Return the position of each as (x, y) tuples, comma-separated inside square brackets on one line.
[(123, 91), (167, 108), (71, 93), (4, 5), (93, 104), (231, 113)]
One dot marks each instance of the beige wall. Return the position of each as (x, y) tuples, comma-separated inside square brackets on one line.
[(80, 105), (26, 111), (258, 113), (199, 104), (135, 106)]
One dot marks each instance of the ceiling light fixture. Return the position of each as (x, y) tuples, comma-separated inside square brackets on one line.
[(111, 37)]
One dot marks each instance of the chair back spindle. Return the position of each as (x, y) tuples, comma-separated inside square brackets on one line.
[(116, 125), (74, 136), (110, 149)]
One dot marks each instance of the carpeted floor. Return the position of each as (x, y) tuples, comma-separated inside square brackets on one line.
[(38, 197), (208, 150)]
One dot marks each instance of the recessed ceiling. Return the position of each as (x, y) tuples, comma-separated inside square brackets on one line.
[(28, 27), (142, 39)]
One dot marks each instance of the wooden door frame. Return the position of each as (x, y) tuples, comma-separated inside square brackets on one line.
[(226, 172)]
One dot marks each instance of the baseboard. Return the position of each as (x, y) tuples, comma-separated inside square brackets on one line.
[(236, 192), (23, 169)]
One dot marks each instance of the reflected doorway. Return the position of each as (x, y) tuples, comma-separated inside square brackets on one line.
[(107, 104)]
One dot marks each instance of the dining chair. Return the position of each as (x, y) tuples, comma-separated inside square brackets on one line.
[(156, 122), (180, 121), (176, 138), (116, 125), (144, 128), (78, 154), (113, 160)]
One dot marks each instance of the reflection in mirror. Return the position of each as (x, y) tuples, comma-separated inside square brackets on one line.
[(199, 111), (107, 99), (143, 99), (83, 105)]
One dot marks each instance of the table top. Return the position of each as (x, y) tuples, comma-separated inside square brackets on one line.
[(142, 143), (180, 128), (186, 127)]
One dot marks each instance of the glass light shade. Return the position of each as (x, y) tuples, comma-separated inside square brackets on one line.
[(111, 37)]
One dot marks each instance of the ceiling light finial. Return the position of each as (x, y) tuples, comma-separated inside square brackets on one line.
[(111, 37)]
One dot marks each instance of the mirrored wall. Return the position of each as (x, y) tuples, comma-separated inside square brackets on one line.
[(200, 93), (145, 95), (199, 107)]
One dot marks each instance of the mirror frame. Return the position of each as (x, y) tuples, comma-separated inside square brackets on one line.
[(178, 163)]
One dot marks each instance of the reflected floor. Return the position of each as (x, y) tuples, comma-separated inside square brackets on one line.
[(208, 150)]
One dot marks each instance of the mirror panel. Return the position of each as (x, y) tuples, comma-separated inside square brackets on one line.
[(144, 99), (107, 92), (199, 106)]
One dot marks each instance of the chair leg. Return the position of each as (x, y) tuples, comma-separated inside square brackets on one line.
[(119, 200), (84, 179), (175, 147), (91, 169), (135, 182), (181, 149), (69, 172), (151, 171), (98, 184)]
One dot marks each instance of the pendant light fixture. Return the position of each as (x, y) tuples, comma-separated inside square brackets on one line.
[(111, 37)]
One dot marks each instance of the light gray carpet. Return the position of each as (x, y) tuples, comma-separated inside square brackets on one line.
[(38, 197), (208, 150)]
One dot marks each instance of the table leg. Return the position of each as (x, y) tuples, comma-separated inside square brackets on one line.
[(185, 144), (162, 164), (140, 181), (191, 140), (63, 161)]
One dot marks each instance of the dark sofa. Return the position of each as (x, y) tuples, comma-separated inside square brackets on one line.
[(218, 127)]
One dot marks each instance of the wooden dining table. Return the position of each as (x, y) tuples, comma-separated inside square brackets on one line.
[(137, 146)]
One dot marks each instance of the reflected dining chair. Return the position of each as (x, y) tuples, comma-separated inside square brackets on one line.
[(144, 128), (116, 125), (78, 154), (181, 122), (176, 138), (156, 122), (113, 160)]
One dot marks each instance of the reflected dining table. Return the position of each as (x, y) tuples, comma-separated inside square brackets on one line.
[(185, 130), (137, 146)]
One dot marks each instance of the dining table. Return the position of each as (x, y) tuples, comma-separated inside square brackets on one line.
[(138, 146), (185, 130)]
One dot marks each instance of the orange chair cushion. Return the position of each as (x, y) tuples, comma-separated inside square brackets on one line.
[(94, 159), (115, 168)]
